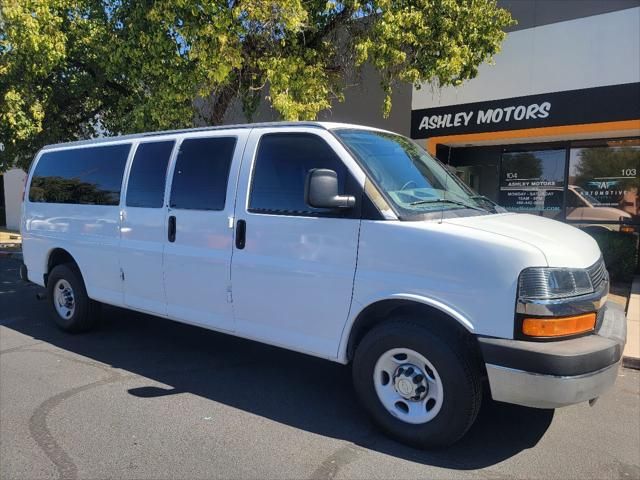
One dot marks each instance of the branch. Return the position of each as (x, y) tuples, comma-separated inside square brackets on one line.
[(221, 105), (100, 77), (330, 26)]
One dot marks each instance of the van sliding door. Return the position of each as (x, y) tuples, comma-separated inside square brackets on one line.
[(142, 227), (197, 254)]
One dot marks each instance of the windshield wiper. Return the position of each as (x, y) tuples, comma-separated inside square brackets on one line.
[(454, 202)]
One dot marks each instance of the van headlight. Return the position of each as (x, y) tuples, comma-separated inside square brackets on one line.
[(546, 283)]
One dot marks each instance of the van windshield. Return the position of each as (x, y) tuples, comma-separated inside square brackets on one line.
[(410, 178)]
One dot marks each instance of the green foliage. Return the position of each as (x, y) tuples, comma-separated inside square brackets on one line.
[(620, 252), (70, 190), (526, 164), (72, 69)]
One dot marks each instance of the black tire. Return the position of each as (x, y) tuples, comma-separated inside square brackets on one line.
[(456, 365), (86, 311)]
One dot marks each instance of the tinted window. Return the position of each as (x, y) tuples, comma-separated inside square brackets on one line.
[(281, 168), (201, 173), (607, 177), (533, 181), (91, 175), (148, 173)]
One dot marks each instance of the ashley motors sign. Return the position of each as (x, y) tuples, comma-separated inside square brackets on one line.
[(515, 113), (590, 105)]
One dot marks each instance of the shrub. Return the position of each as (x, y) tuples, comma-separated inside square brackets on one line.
[(620, 252)]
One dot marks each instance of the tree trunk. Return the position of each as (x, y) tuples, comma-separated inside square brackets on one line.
[(220, 106)]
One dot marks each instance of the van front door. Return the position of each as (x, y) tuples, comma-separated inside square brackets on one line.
[(293, 266), (197, 256)]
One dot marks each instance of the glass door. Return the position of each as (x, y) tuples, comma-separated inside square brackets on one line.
[(533, 182)]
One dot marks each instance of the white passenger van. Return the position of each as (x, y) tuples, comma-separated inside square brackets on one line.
[(338, 241)]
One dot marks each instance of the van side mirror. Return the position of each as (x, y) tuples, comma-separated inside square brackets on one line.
[(321, 190)]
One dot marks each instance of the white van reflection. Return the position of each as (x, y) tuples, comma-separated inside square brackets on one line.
[(583, 207), (583, 210)]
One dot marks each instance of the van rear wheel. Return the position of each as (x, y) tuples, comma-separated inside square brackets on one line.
[(420, 386), (71, 308)]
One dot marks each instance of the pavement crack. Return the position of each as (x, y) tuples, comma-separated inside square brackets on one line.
[(44, 438)]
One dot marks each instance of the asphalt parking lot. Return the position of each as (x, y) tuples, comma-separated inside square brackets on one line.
[(143, 397)]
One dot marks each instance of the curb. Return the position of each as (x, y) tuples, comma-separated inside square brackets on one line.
[(631, 353), (631, 362)]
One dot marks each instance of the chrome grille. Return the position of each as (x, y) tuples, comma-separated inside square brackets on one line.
[(598, 274)]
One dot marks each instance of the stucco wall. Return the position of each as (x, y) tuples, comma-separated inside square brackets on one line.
[(580, 53), (14, 181), (362, 105)]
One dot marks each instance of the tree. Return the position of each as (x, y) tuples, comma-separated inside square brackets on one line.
[(72, 69), (524, 164), (70, 190)]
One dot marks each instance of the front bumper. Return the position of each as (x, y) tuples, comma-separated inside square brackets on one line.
[(557, 373)]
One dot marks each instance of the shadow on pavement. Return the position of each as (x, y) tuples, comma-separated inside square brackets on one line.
[(294, 389)]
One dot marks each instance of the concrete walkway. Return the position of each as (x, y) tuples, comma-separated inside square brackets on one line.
[(10, 242), (632, 350), (9, 236)]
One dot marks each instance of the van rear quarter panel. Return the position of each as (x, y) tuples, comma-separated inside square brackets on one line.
[(469, 275), (90, 233)]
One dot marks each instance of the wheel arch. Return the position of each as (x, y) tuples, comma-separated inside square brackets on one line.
[(57, 256), (377, 312)]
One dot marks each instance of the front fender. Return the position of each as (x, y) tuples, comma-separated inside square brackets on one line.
[(358, 307)]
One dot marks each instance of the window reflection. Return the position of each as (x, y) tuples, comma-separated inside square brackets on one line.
[(88, 175), (604, 182), (533, 182)]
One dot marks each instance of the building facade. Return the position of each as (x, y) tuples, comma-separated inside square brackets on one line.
[(553, 127)]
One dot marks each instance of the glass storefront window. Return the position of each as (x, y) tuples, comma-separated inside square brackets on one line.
[(533, 182), (598, 181), (604, 182)]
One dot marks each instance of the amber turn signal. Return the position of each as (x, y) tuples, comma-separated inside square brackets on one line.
[(559, 327)]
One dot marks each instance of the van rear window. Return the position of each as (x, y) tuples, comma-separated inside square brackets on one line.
[(89, 176)]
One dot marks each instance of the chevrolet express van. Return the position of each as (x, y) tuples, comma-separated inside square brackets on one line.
[(338, 241)]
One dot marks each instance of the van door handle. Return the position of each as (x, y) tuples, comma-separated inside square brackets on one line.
[(171, 234), (241, 234)]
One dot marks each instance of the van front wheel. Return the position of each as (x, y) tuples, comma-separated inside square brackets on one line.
[(421, 387), (71, 308)]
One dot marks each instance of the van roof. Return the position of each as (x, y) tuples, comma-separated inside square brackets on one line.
[(133, 136)]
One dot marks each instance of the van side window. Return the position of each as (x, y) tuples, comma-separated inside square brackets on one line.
[(201, 173), (280, 170), (87, 175), (148, 174)]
